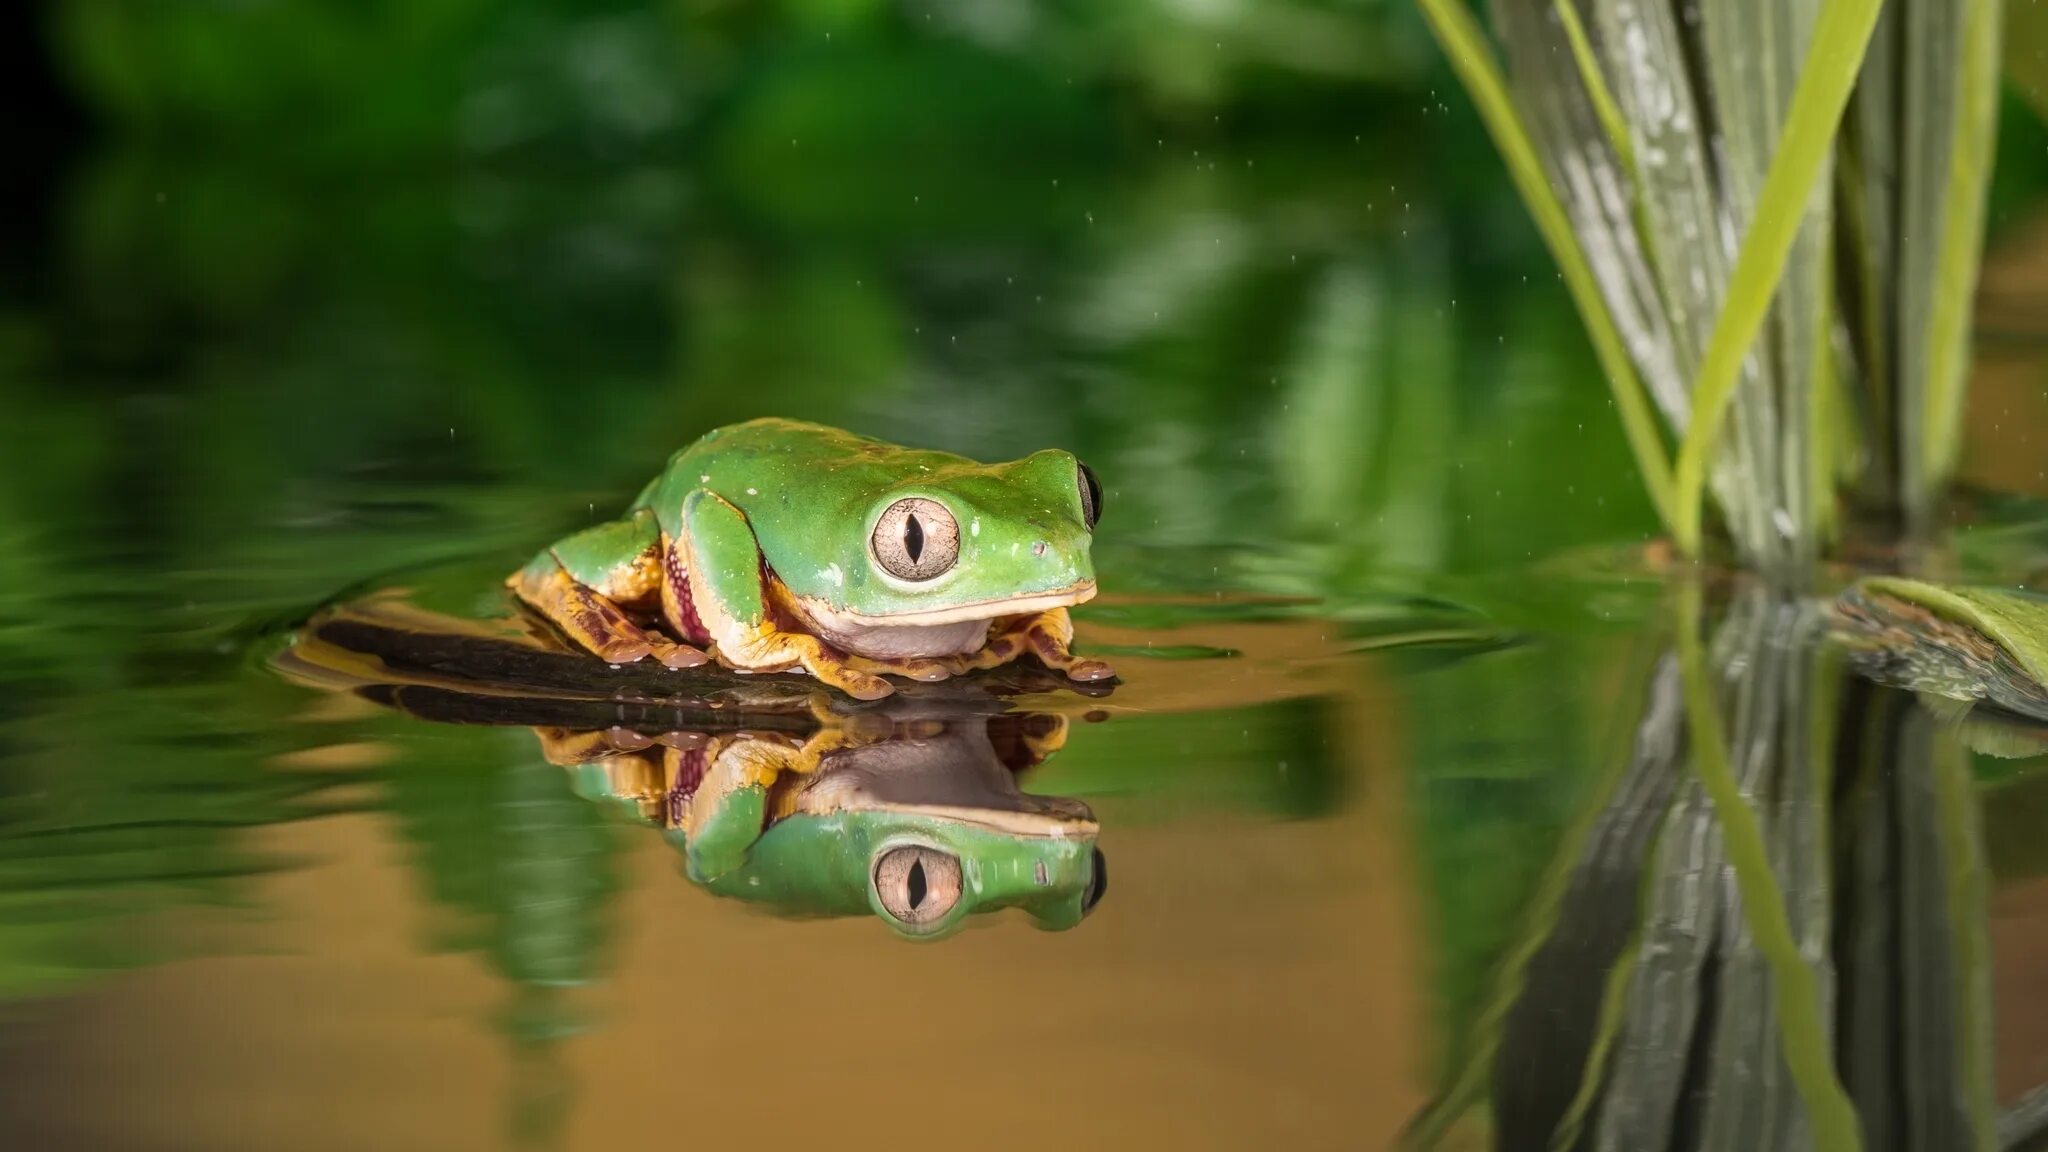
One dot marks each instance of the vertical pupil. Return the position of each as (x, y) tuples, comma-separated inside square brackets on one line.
[(917, 884), (913, 538)]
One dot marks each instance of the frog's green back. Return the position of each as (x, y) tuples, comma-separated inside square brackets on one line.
[(811, 495)]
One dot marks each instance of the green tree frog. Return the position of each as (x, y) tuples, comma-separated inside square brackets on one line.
[(776, 545)]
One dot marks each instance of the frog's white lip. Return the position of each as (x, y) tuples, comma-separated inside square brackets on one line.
[(980, 610), (1020, 823)]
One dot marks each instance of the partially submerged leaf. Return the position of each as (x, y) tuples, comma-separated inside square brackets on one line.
[(2016, 621), (1965, 643)]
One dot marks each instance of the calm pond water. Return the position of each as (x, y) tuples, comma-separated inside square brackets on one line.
[(1398, 793)]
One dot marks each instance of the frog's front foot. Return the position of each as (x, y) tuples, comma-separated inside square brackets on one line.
[(621, 647), (928, 669), (1089, 670), (766, 649), (1052, 651), (673, 655), (1050, 637), (594, 622), (857, 684)]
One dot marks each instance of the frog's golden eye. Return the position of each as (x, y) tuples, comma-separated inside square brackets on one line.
[(916, 539), (917, 885), (1091, 497)]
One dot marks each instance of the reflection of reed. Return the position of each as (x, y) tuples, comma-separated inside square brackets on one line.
[(1771, 935)]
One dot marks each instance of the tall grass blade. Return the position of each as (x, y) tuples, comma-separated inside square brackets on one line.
[(1868, 259), (1972, 139), (1558, 84), (1840, 37), (1673, 122), (1754, 49)]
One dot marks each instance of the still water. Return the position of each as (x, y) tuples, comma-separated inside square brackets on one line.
[(1395, 824)]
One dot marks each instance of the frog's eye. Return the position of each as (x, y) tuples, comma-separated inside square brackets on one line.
[(916, 539), (917, 885), (1091, 497)]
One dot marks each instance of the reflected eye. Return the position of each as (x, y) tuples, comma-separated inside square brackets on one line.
[(1091, 497), (916, 539), (917, 885), (1098, 883)]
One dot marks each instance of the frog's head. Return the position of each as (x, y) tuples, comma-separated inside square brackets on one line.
[(931, 540), (920, 832)]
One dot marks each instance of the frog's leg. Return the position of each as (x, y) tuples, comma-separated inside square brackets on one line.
[(1024, 740), (746, 785), (1048, 635), (728, 588), (580, 582)]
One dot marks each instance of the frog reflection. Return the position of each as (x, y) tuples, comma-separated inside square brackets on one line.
[(915, 819)]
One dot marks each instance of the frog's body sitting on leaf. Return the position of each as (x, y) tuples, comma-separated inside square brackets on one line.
[(782, 545)]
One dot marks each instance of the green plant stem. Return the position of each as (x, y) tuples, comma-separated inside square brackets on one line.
[(1822, 405), (1802, 1032), (1596, 85), (1840, 37), (1463, 41), (1962, 231)]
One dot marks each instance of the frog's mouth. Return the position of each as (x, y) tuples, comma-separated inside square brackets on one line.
[(949, 631), (952, 777), (958, 613)]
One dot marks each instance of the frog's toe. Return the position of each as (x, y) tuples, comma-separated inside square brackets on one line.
[(926, 670), (626, 740), (1089, 670), (862, 686), (682, 656), (625, 650)]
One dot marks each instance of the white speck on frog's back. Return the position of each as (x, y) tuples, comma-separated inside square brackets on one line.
[(974, 529), (831, 572), (704, 478), (753, 491)]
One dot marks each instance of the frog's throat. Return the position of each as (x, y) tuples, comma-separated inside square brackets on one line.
[(1021, 824), (841, 619)]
